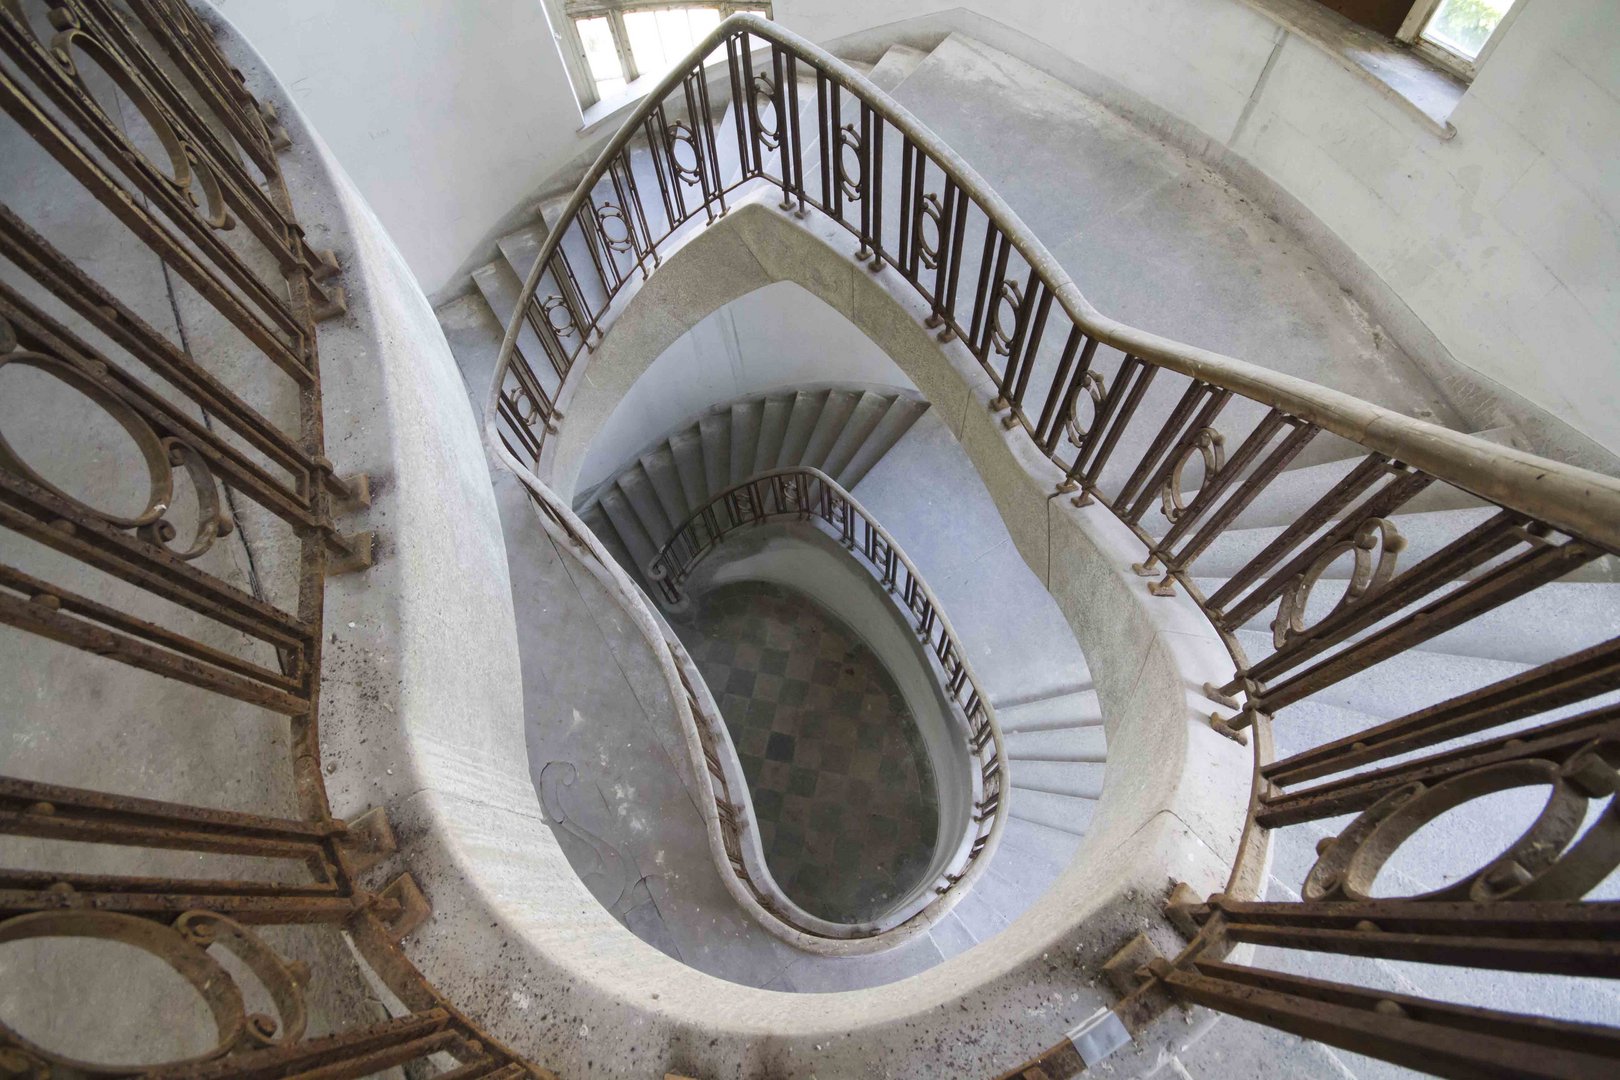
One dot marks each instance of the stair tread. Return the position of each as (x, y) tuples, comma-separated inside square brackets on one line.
[(745, 427), (1075, 779), (901, 414), (1076, 709), (895, 65), (835, 414), (1068, 813), (863, 420), (521, 247)]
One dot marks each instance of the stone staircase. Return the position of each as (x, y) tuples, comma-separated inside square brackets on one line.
[(1134, 265)]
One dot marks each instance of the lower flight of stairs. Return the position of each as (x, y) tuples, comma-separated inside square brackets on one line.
[(842, 432)]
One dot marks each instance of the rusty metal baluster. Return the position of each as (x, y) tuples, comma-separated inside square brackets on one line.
[(1156, 464), (1542, 564), (825, 126), (1060, 400), (1586, 674), (795, 131), (1557, 741), (1404, 484), (1118, 409), (1295, 441)]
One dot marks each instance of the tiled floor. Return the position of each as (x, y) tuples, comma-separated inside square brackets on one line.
[(840, 781)]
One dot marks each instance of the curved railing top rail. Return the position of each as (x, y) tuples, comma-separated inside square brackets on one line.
[(1577, 500)]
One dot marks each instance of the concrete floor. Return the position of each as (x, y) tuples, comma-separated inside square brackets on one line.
[(840, 779)]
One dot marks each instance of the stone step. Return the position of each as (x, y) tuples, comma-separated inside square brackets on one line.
[(637, 488), (1010, 896), (714, 430), (894, 65), (596, 519), (500, 287), (1076, 779), (522, 246), (475, 335), (1076, 709), (773, 424), (1068, 813), (1029, 844), (835, 413), (801, 424), (687, 448), (902, 412), (627, 526), (1077, 744), (978, 916), (745, 425), (665, 475), (863, 420)]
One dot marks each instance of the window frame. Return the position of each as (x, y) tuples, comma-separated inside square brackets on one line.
[(573, 48), (1417, 20)]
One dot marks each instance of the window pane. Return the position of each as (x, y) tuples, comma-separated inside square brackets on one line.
[(1464, 26), (603, 59), (646, 45), (660, 38)]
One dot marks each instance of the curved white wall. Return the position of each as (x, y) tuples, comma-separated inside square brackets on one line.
[(1501, 242), (774, 338)]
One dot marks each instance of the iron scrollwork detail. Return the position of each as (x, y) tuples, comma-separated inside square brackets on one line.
[(161, 454), (1551, 860), (185, 947), (1369, 574)]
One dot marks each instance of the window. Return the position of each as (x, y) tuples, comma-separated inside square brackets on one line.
[(611, 43), (1457, 34)]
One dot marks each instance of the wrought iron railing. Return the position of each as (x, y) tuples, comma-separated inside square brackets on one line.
[(809, 496), (126, 119), (1126, 418)]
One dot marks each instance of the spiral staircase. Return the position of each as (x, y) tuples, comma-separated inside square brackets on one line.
[(1283, 722)]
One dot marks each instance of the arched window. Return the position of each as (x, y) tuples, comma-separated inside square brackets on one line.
[(609, 44)]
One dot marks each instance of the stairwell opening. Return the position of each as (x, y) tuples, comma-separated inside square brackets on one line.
[(842, 785)]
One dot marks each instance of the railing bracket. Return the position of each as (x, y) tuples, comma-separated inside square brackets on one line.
[(1179, 907), (1220, 696), (370, 840), (1126, 970), (1237, 735), (351, 492), (414, 908), (337, 303), (326, 264), (359, 552), (1165, 586)]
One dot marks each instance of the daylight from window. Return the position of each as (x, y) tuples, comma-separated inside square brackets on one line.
[(1464, 26), (627, 43)]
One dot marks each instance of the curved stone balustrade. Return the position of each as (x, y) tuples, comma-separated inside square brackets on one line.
[(1178, 444)]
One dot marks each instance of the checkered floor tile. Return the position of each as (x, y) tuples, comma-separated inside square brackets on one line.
[(840, 780)]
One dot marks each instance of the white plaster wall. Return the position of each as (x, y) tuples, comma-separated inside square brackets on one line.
[(1502, 241), (446, 113), (774, 338)]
